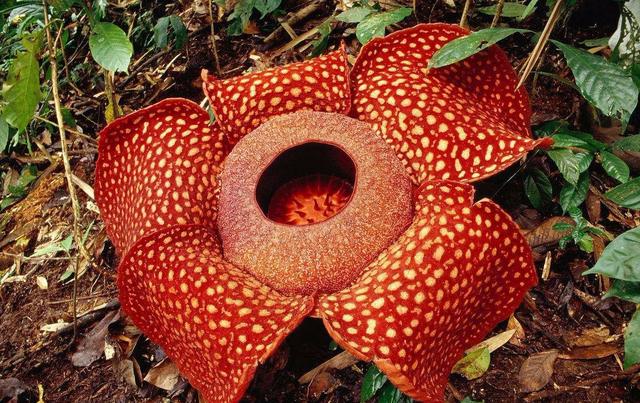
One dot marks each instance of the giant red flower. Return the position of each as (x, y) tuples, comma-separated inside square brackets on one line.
[(323, 191)]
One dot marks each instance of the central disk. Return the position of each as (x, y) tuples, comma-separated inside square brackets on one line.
[(309, 199)]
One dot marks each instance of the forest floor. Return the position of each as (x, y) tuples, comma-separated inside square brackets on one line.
[(563, 314)]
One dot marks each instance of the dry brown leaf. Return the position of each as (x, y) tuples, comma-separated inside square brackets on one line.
[(495, 342), (536, 371), (589, 337), (518, 334), (544, 234), (340, 361), (323, 383), (91, 347), (592, 352), (165, 375)]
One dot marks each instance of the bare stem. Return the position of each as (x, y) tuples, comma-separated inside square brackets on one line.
[(498, 14), (465, 13), (51, 47), (542, 41), (214, 48)]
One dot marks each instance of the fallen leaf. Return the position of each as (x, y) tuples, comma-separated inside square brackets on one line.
[(592, 352), (589, 337), (323, 383), (536, 371), (518, 331), (91, 347), (544, 234), (474, 364), (340, 361), (495, 342), (53, 327), (165, 375), (42, 282), (126, 369)]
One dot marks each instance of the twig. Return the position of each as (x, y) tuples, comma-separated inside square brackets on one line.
[(542, 41), (111, 95), (65, 157), (214, 48), (496, 16), (465, 13), (89, 317), (296, 17)]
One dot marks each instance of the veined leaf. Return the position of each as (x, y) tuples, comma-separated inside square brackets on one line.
[(464, 47), (110, 47), (626, 290), (509, 10), (567, 163), (390, 394), (620, 259), (371, 383), (605, 85), (474, 364), (584, 161), (632, 341), (629, 143), (573, 196), (22, 93), (626, 195), (538, 188), (615, 167), (354, 14), (374, 24)]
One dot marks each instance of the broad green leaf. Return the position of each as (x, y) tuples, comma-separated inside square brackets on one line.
[(179, 30), (620, 259), (573, 196), (474, 364), (374, 24), (390, 394), (110, 47), (22, 90), (627, 194), (509, 10), (371, 383), (632, 341), (4, 134), (629, 143), (531, 7), (320, 44), (615, 167), (596, 42), (538, 188), (354, 14), (567, 163), (584, 161), (461, 48), (468, 399), (266, 6), (161, 32), (626, 290), (605, 85)]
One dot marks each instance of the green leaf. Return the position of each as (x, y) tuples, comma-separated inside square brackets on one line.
[(371, 383), (509, 10), (584, 161), (161, 32), (573, 196), (4, 134), (474, 364), (66, 243), (179, 30), (468, 399), (629, 143), (374, 24), (605, 85), (529, 10), (538, 188), (632, 341), (596, 42), (626, 290), (320, 44), (354, 14), (266, 6), (110, 47), (461, 48), (390, 394), (567, 163), (626, 195), (569, 138), (22, 90), (99, 9), (615, 167), (620, 259)]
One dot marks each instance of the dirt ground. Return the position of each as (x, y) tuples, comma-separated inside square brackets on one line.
[(564, 312)]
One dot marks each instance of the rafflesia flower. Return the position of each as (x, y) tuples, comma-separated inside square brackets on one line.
[(322, 191)]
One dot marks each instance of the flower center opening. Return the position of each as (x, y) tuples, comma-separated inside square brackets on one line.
[(306, 184)]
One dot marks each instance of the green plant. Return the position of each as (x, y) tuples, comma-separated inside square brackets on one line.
[(371, 20)]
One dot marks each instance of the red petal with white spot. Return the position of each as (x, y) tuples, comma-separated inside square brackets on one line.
[(157, 167), (213, 320), (244, 103), (456, 272), (462, 122)]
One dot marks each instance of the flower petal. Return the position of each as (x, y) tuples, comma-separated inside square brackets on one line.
[(465, 121), (244, 103), (456, 272), (214, 321), (157, 167)]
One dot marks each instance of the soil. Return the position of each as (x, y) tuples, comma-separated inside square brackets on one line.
[(557, 309)]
